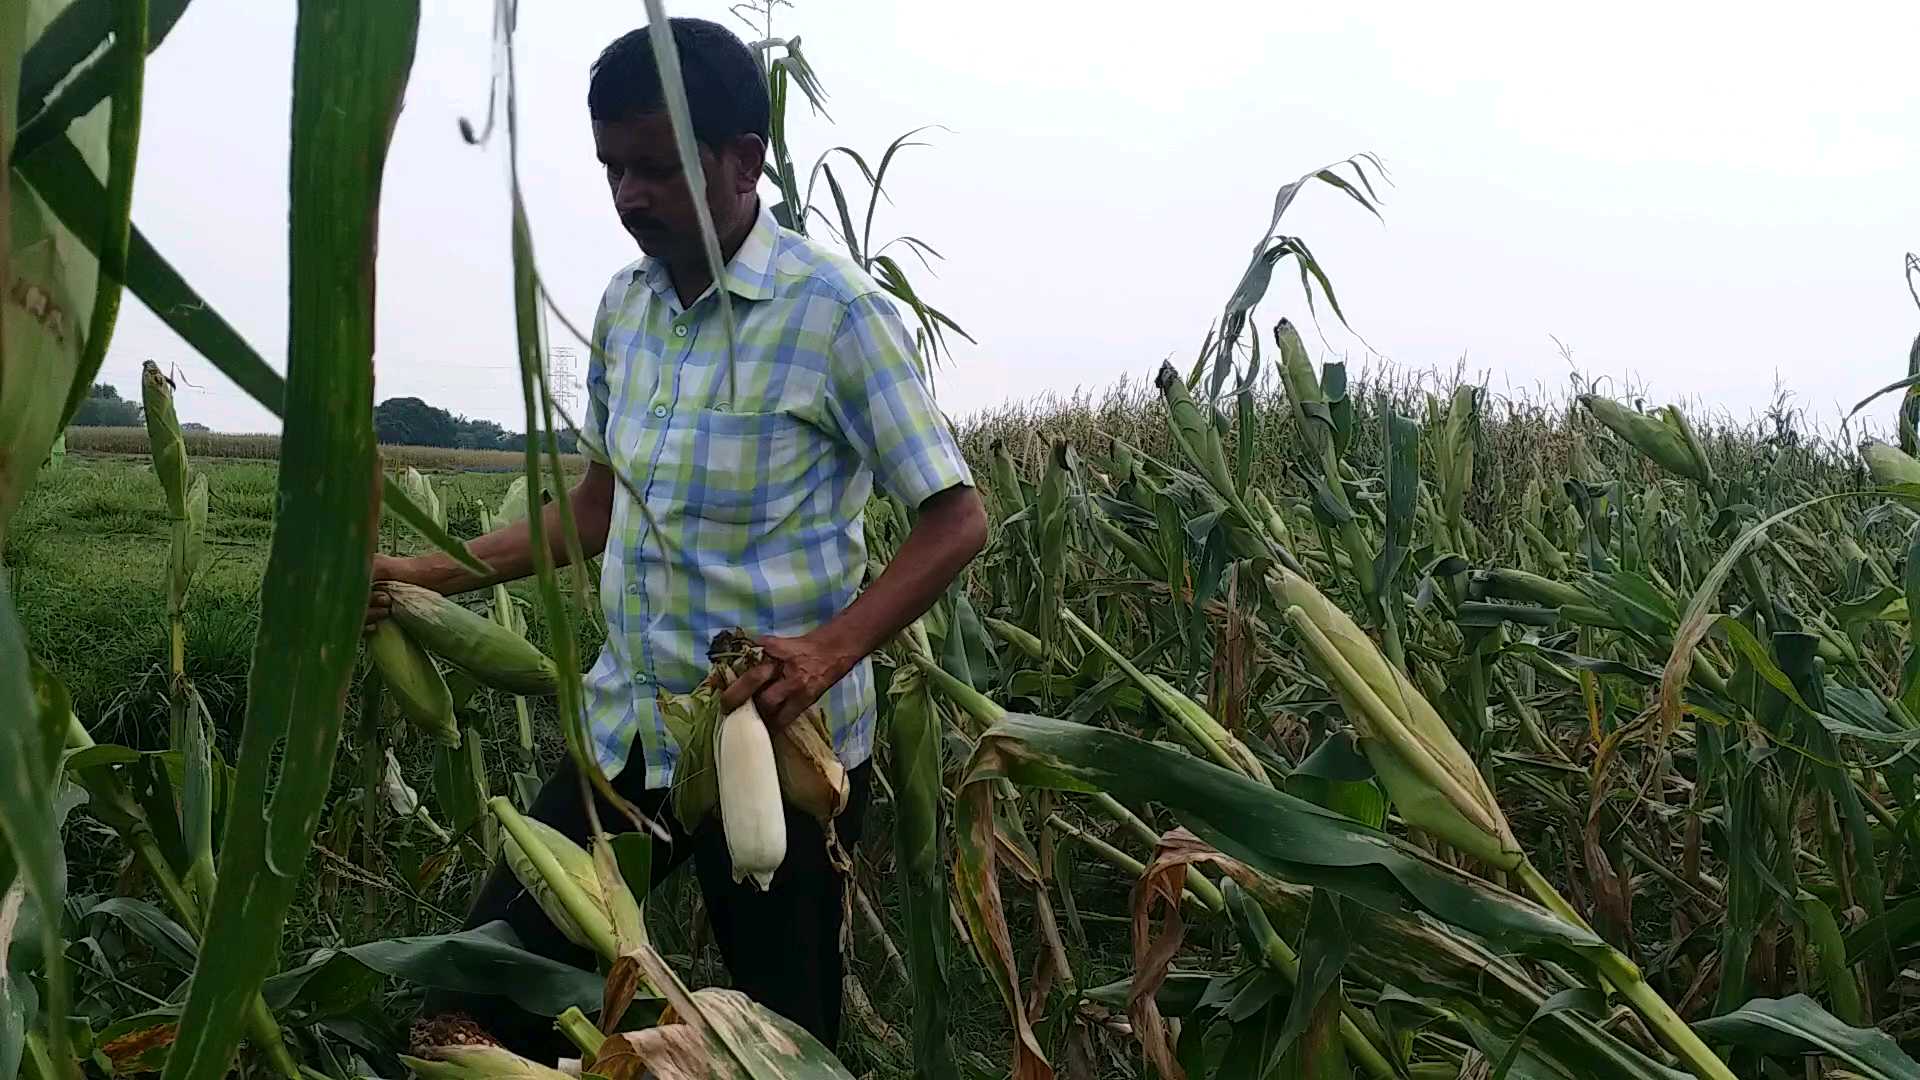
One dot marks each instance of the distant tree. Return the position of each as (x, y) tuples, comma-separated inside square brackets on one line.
[(569, 441), (104, 407), (409, 421), (193, 425), (478, 434)]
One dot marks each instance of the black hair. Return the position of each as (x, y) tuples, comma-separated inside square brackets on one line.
[(726, 90)]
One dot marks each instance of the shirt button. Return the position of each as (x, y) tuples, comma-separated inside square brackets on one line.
[(680, 330), (660, 412)]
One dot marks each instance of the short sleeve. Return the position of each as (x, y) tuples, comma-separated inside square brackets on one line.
[(593, 426), (884, 409)]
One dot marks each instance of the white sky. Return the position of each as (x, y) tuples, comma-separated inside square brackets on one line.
[(1709, 197)]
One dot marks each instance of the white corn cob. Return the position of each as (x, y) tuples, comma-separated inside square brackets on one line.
[(751, 810)]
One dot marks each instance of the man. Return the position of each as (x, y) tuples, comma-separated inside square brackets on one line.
[(755, 480)]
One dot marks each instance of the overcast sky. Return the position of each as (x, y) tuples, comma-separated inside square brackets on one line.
[(1711, 198)]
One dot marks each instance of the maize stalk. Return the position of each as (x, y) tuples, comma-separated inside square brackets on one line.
[(416, 684), (491, 653)]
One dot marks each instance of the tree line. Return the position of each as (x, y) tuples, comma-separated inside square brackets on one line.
[(399, 421)]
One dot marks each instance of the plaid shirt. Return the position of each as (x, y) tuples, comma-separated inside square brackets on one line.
[(759, 501)]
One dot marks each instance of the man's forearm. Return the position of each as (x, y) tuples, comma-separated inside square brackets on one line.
[(508, 551), (951, 530)]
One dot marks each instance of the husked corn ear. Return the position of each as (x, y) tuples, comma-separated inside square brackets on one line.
[(416, 685), (751, 810), (1888, 466), (491, 653), (560, 876)]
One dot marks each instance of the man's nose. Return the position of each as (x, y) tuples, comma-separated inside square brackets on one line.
[(631, 195)]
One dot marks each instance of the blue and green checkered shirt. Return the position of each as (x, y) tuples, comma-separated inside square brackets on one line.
[(759, 501)]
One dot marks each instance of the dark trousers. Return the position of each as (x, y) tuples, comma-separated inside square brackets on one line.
[(782, 946)]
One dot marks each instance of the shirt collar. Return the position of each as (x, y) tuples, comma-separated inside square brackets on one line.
[(748, 275)]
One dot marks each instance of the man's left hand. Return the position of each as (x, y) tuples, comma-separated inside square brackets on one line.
[(796, 673)]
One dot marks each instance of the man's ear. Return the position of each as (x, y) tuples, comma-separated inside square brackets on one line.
[(749, 153)]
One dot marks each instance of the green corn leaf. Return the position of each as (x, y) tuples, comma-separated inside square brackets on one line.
[(30, 742), (350, 66), (129, 60), (1798, 1025), (55, 63)]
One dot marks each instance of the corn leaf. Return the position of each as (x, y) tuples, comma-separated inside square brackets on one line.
[(350, 66)]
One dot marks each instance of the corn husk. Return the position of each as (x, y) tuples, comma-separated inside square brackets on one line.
[(1888, 466), (164, 441), (812, 779), (1193, 431), (1008, 494), (420, 490), (49, 277), (417, 686), (491, 653), (476, 1062), (1425, 770), (561, 877), (1659, 439), (513, 505)]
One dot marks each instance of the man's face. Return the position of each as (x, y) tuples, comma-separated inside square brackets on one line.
[(650, 191)]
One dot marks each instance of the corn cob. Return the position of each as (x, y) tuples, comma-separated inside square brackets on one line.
[(476, 1061), (1659, 439), (1426, 771), (1017, 636), (169, 449), (415, 683), (1888, 466), (561, 877), (420, 490), (491, 653), (750, 805)]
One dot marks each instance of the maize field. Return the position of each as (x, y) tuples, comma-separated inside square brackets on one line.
[(1292, 725)]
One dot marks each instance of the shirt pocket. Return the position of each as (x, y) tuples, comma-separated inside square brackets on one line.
[(741, 469)]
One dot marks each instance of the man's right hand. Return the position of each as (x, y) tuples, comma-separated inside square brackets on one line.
[(385, 568)]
